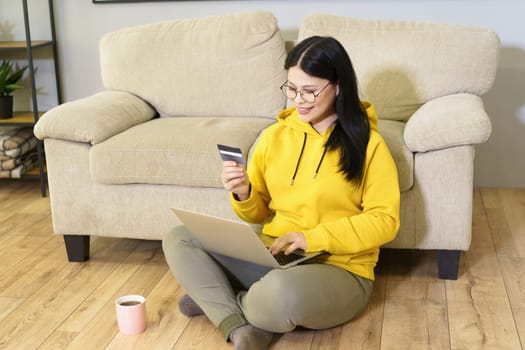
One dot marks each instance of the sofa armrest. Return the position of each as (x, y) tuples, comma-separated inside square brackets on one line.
[(448, 121), (95, 118)]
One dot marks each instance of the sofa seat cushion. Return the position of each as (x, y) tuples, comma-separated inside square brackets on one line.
[(392, 131), (175, 150)]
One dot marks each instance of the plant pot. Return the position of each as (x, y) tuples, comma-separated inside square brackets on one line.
[(6, 107)]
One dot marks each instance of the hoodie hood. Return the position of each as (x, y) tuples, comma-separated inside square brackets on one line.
[(290, 118), (371, 113)]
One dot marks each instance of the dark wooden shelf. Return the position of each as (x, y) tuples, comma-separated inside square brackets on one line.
[(22, 45), (35, 172), (20, 118)]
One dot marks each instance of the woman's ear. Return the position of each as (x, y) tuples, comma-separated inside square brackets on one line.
[(336, 89)]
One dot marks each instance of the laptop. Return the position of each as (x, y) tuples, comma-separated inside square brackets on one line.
[(237, 240)]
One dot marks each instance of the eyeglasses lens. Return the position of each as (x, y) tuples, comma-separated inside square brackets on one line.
[(307, 96)]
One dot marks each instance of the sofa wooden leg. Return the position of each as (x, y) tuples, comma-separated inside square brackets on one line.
[(77, 247), (448, 264)]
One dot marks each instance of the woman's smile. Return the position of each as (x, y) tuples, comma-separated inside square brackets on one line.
[(303, 110)]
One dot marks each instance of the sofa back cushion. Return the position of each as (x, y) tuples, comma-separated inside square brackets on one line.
[(226, 65), (402, 64)]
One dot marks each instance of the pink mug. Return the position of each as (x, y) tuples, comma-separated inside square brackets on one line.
[(131, 314)]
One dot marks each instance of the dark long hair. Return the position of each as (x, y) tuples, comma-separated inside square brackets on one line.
[(326, 58)]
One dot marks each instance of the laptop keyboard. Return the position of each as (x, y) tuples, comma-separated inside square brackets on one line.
[(283, 259)]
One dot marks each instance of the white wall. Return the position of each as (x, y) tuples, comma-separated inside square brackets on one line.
[(499, 162)]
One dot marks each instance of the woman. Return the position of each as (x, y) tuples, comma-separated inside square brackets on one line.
[(320, 179)]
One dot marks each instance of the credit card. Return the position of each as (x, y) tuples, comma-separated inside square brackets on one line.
[(231, 153)]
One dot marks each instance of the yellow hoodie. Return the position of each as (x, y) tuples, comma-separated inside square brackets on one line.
[(288, 194)]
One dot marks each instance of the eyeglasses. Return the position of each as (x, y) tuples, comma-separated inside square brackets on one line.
[(306, 95)]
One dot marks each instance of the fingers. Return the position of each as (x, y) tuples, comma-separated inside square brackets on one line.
[(232, 174), (291, 248), (276, 247), (290, 242), (281, 243), (234, 178)]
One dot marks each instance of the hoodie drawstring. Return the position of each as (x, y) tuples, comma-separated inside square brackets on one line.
[(320, 162), (299, 161)]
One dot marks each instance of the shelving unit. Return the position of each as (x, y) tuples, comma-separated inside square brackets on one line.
[(31, 117)]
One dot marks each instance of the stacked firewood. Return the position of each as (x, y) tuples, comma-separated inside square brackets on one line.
[(18, 151)]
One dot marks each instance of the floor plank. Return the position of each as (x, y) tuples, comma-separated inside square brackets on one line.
[(416, 311), (8, 305), (299, 339), (506, 217), (478, 306), (327, 339), (514, 275), (201, 334)]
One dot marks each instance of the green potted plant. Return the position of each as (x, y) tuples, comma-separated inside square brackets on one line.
[(9, 77)]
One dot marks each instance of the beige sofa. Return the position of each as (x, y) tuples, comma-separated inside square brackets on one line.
[(118, 160)]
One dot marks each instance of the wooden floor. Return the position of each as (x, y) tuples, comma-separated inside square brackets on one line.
[(49, 303)]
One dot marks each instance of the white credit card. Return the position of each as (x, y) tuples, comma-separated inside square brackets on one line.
[(231, 153)]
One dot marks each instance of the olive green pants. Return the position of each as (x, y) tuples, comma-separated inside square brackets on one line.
[(233, 293)]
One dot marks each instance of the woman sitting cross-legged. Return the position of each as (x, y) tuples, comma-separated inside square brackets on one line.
[(320, 179)]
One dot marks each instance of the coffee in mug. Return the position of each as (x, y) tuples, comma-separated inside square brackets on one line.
[(131, 314)]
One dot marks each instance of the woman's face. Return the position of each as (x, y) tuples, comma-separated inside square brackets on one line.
[(321, 112)]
